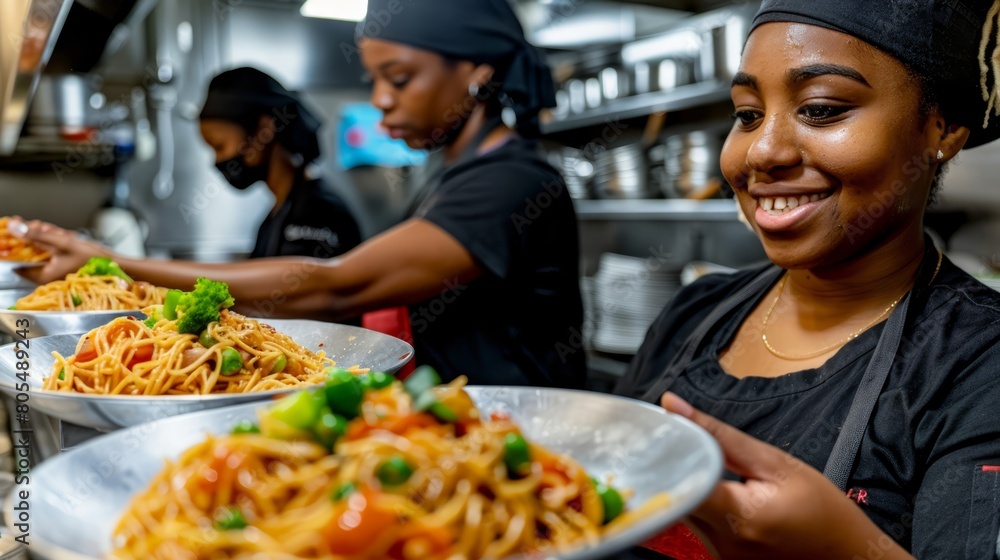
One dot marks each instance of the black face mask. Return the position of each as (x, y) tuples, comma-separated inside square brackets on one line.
[(240, 175)]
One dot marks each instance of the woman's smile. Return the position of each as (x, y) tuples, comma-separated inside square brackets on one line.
[(779, 211)]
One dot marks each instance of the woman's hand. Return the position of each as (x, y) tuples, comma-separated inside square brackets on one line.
[(69, 252), (783, 508)]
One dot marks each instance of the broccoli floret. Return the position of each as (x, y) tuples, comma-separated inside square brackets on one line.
[(155, 314), (198, 308), (103, 266)]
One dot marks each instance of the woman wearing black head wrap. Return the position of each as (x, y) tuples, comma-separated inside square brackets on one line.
[(262, 132), (864, 364), (488, 262), (449, 74)]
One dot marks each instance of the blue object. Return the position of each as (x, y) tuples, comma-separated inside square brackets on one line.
[(363, 141)]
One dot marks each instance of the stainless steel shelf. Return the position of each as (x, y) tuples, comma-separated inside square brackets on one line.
[(683, 97), (65, 155), (716, 210)]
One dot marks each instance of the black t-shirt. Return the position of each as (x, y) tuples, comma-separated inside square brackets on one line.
[(519, 322), (927, 469), (312, 222)]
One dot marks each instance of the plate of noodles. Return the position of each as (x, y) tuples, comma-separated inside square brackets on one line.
[(370, 468), (16, 253), (92, 296), (190, 354)]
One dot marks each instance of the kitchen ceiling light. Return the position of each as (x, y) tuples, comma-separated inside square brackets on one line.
[(347, 10)]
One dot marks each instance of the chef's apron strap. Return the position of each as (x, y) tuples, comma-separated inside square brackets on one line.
[(685, 355), (845, 450)]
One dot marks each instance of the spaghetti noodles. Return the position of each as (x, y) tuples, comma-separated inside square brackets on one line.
[(92, 293), (399, 484), (233, 355), (16, 249)]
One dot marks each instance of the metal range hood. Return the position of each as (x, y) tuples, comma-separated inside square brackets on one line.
[(29, 29), (55, 36), (571, 24)]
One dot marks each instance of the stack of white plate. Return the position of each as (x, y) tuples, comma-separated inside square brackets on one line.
[(626, 295)]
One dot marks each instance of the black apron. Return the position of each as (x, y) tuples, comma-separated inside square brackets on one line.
[(842, 458)]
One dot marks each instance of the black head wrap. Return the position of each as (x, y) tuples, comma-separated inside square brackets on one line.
[(951, 44), (479, 31), (243, 95)]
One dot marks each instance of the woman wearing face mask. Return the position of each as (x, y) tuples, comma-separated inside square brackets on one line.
[(854, 384), (262, 132), (488, 262)]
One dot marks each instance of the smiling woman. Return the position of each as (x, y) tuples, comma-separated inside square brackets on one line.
[(862, 352)]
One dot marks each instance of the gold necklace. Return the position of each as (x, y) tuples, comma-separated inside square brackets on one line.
[(850, 337)]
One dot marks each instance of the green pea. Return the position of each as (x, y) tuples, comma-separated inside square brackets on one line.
[(232, 362), (245, 427), (62, 374), (611, 500), (206, 340), (77, 300), (343, 491), (299, 410), (394, 471), (329, 428), (376, 380), (516, 455), (230, 518), (280, 364), (344, 392)]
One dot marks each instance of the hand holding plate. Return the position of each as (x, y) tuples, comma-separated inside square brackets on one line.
[(782, 508)]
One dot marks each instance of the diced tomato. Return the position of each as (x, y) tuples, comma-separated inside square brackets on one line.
[(223, 460), (399, 426), (404, 424), (87, 352), (141, 354), (354, 528)]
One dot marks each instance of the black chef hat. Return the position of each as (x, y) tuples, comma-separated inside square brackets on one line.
[(243, 95), (479, 31), (952, 44)]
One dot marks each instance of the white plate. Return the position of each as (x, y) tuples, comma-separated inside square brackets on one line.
[(78, 497), (9, 266), (345, 344)]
